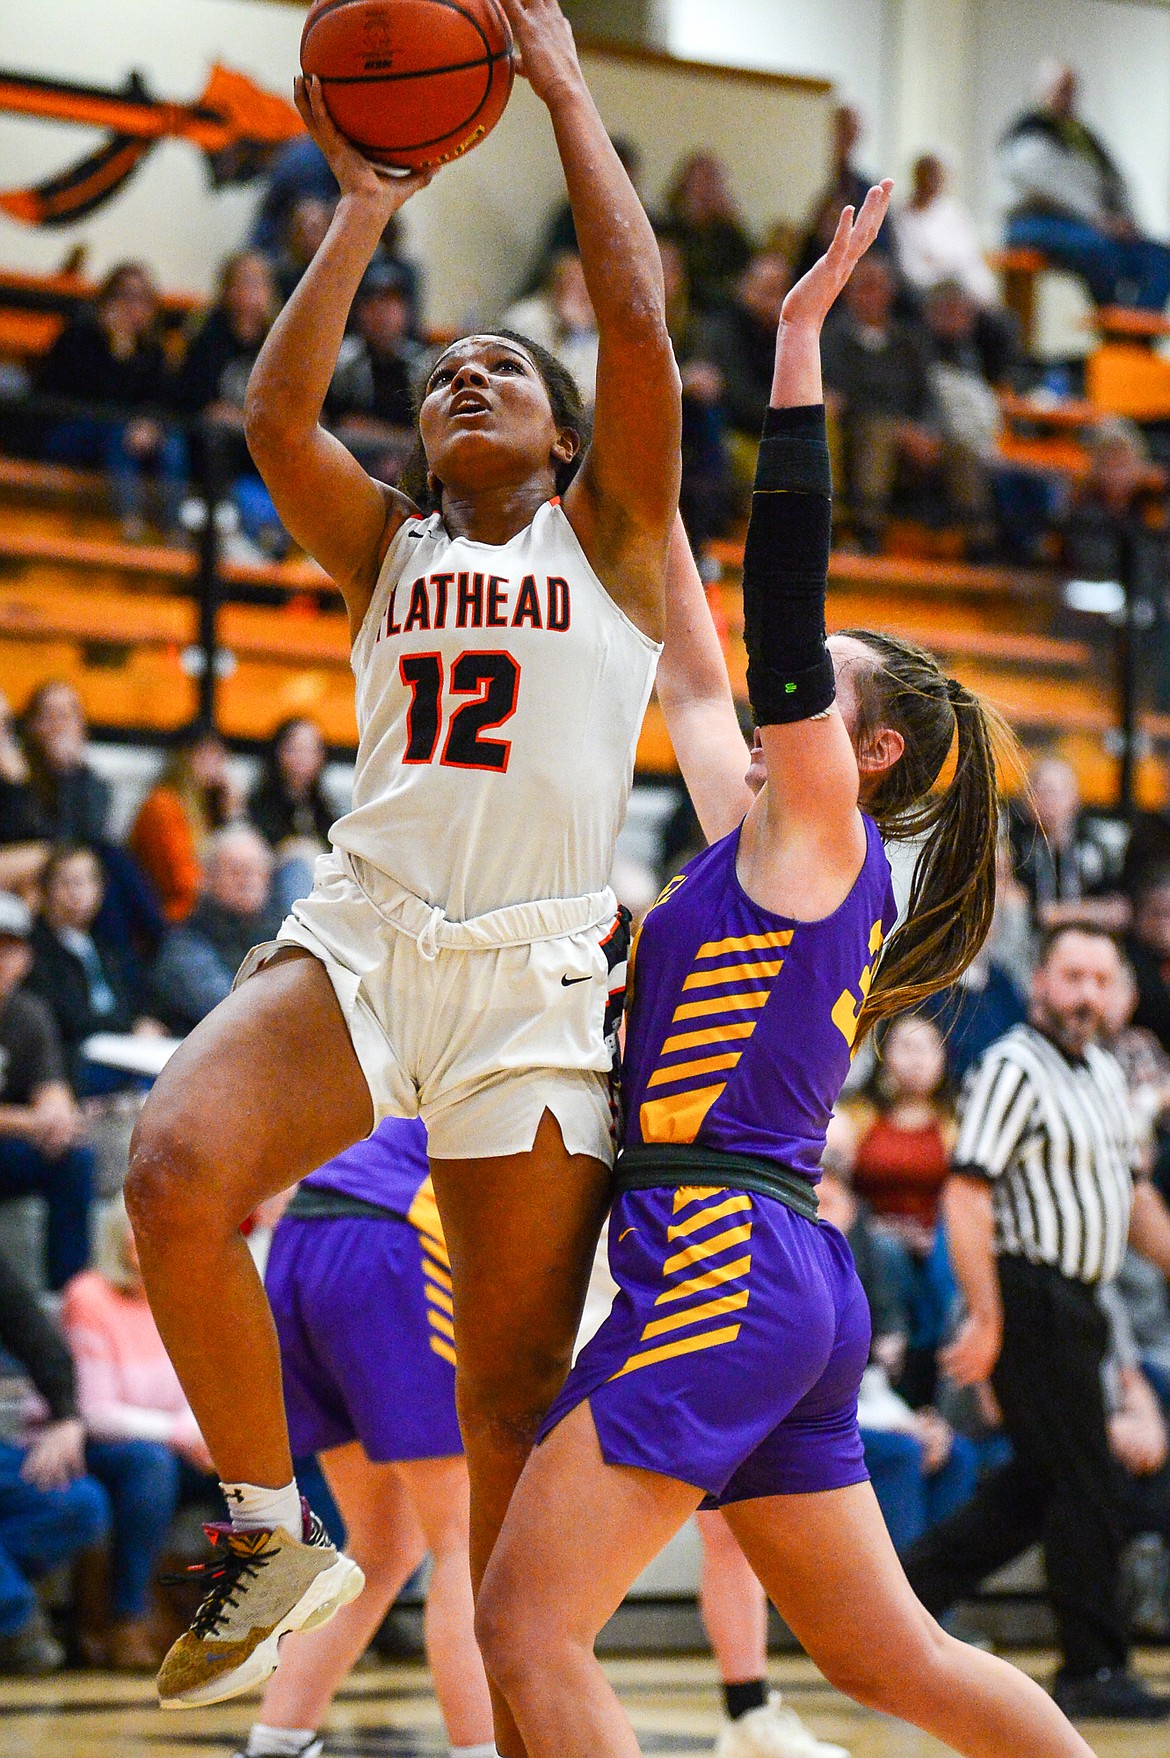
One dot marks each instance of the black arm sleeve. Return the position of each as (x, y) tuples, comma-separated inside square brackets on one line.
[(28, 1333), (786, 569)]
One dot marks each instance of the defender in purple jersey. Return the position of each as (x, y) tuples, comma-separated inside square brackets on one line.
[(359, 1283), (727, 1372)]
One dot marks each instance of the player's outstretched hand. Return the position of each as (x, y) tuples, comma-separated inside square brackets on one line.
[(810, 301), (355, 174), (546, 53)]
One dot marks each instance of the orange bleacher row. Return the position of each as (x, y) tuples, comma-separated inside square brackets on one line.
[(960, 540)]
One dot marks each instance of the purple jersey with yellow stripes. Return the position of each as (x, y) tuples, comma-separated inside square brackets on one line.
[(742, 1022), (388, 1168)]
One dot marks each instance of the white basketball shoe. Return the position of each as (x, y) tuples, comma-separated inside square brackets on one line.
[(775, 1731)]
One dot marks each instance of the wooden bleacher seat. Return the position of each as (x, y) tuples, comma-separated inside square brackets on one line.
[(121, 622), (1018, 270)]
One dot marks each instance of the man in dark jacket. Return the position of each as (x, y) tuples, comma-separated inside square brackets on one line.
[(1067, 197), (199, 958), (49, 1509)]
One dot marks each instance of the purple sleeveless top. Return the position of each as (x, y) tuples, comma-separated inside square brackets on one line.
[(388, 1168), (741, 1023)]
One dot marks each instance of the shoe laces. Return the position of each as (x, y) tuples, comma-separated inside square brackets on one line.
[(225, 1573)]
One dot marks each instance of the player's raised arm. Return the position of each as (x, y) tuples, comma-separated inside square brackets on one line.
[(811, 766), (325, 499), (622, 505), (694, 692)]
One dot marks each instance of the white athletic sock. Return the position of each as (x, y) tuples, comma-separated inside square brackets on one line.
[(488, 1751), (283, 1742), (249, 1505)]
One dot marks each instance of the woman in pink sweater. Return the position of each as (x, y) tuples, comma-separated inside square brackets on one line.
[(143, 1443)]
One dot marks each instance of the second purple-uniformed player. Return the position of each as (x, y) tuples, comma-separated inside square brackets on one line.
[(728, 1370)]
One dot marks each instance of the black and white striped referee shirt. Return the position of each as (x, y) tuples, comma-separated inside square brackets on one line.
[(1055, 1138)]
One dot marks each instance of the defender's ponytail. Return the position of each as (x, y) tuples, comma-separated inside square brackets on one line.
[(952, 894)]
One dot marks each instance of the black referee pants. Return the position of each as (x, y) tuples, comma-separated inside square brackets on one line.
[(1061, 1486)]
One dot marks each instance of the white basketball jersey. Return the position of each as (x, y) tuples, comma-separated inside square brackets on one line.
[(500, 692)]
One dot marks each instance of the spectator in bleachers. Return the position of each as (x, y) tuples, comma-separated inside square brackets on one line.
[(1146, 1294), (143, 1444), (1115, 528), (73, 971), (901, 1164), (193, 797), (1145, 1064), (707, 498), (1059, 856), (1140, 1444), (75, 803), (561, 232), (991, 995), (290, 808), (371, 396), (1148, 947), (214, 375), (111, 356), (199, 958), (560, 317), (305, 226), (50, 1511), (24, 827), (708, 227), (739, 338), (937, 237), (43, 1151), (847, 187), (920, 1469), (968, 407), (212, 383), (878, 383), (299, 168), (74, 799), (1067, 197)]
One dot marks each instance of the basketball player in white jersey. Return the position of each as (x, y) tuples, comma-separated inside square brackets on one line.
[(454, 959)]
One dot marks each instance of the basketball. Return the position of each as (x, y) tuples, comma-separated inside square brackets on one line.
[(412, 83)]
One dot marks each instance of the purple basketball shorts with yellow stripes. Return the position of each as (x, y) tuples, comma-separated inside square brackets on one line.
[(733, 1352), (362, 1307)]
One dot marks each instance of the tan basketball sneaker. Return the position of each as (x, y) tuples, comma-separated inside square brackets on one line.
[(262, 1583)]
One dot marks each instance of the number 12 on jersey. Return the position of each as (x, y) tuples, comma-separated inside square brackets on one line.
[(491, 679)]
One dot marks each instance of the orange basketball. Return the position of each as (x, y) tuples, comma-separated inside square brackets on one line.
[(411, 83)]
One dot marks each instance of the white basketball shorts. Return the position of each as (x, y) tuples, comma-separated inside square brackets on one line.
[(478, 1027)]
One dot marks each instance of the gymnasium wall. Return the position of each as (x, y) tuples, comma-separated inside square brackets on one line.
[(984, 50), (847, 41), (474, 230)]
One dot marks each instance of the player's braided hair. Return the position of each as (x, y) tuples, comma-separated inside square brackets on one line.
[(956, 827), (568, 410)]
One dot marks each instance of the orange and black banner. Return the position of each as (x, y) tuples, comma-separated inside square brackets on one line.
[(235, 123)]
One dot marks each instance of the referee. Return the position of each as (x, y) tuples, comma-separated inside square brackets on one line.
[(1038, 1211)]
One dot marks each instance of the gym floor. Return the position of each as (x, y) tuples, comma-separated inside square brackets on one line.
[(389, 1712)]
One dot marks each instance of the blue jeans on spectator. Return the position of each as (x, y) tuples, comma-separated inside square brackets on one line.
[(90, 440), (910, 1501), (1117, 271), (40, 1529), (145, 1481), (66, 1184), (291, 881), (259, 518)]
